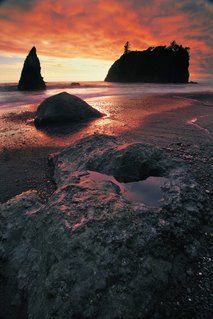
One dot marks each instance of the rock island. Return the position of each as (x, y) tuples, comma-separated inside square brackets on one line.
[(160, 64)]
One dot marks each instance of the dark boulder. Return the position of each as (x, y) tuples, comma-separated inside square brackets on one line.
[(31, 79), (159, 64), (62, 108)]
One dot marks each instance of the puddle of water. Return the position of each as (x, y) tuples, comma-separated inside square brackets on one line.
[(148, 191)]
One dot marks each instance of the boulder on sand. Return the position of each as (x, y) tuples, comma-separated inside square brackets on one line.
[(31, 79), (62, 108)]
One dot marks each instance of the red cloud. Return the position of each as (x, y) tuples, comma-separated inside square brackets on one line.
[(99, 28)]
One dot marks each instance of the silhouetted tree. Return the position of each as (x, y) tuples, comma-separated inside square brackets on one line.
[(126, 47), (174, 46)]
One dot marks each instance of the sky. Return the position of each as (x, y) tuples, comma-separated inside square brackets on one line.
[(78, 40)]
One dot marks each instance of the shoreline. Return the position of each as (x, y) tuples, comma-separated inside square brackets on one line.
[(24, 151)]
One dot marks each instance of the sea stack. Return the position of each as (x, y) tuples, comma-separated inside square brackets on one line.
[(161, 64), (31, 79)]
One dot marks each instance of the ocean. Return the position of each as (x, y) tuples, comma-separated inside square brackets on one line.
[(11, 98)]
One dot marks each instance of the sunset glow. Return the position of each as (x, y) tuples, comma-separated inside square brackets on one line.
[(79, 40)]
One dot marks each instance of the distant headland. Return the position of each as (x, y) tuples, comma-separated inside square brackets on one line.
[(160, 64)]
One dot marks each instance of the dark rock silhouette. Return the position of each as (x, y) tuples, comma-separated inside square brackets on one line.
[(31, 79), (62, 108), (159, 64), (75, 84)]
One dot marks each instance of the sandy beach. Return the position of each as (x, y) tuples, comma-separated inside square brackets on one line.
[(181, 124)]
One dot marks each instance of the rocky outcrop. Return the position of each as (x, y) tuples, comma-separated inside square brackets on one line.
[(91, 253), (75, 84), (31, 79), (62, 108), (159, 64)]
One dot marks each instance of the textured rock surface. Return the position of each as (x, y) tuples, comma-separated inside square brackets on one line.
[(90, 253), (156, 64), (31, 79), (62, 108)]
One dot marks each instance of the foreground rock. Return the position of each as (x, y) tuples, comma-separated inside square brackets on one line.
[(62, 108), (91, 253), (31, 79), (159, 64)]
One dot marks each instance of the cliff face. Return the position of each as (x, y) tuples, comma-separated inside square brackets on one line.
[(31, 79), (155, 65)]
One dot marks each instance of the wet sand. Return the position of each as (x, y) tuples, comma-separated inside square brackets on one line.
[(185, 133), (181, 124)]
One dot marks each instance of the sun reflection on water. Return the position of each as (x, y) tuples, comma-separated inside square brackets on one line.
[(121, 114)]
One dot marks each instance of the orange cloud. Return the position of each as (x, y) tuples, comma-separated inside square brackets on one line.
[(98, 29)]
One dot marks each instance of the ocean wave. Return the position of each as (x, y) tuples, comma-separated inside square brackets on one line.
[(11, 97)]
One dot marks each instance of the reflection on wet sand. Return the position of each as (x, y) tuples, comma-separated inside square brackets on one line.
[(24, 150), (122, 114)]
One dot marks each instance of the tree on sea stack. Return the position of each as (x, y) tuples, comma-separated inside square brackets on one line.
[(31, 79), (126, 47)]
